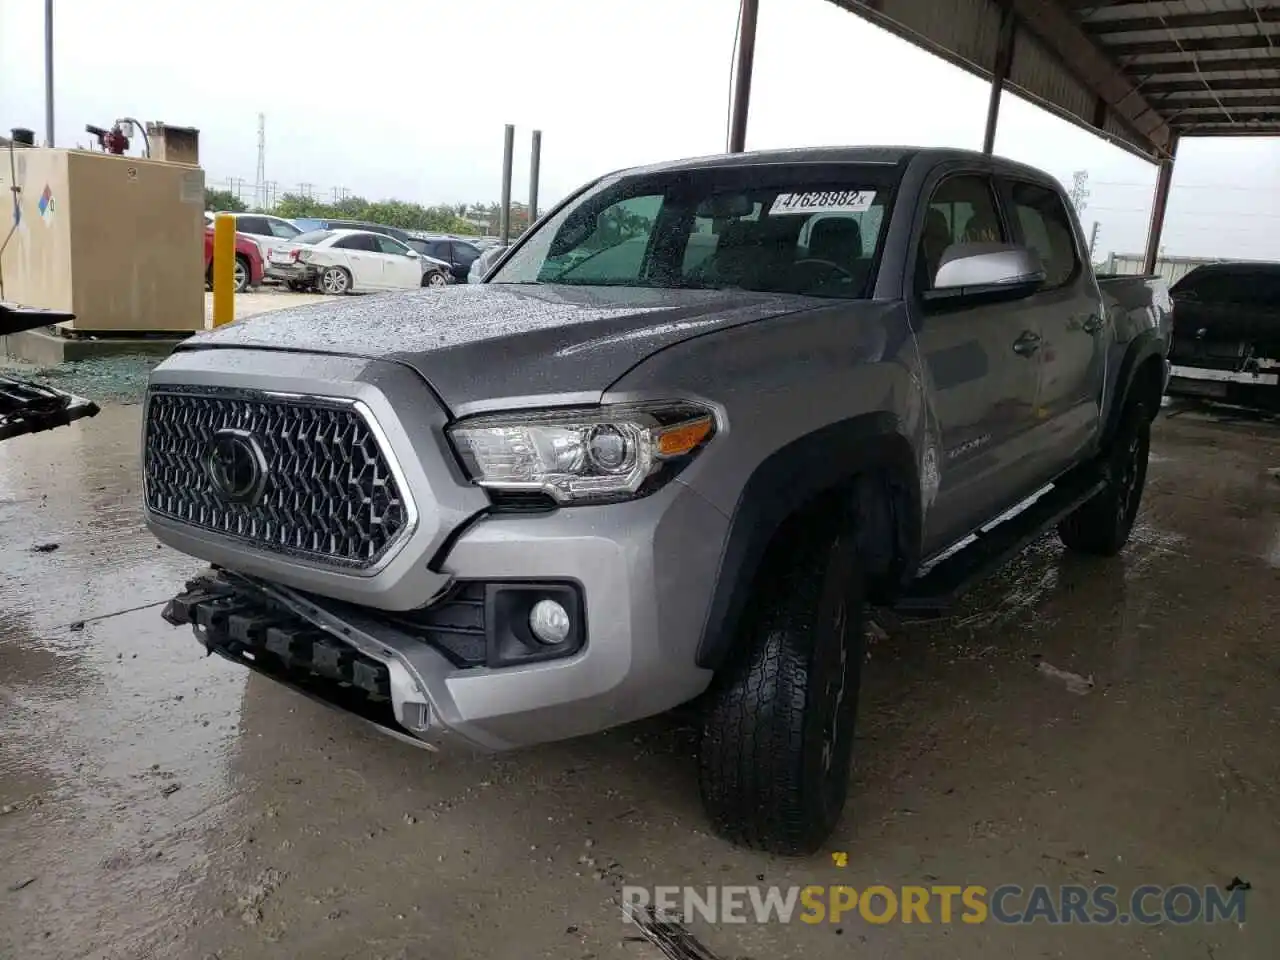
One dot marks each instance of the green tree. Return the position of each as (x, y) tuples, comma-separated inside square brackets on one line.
[(223, 200), (391, 213)]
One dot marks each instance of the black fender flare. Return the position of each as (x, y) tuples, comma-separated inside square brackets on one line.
[(791, 477), (1141, 349)]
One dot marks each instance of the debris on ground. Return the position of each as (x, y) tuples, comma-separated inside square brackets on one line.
[(169, 789), (21, 884), (45, 547), (77, 626), (1073, 681), (118, 379), (251, 901), (1238, 884), (667, 934)]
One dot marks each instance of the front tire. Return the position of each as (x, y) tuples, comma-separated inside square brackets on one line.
[(435, 279), (1102, 525), (777, 741), (335, 281)]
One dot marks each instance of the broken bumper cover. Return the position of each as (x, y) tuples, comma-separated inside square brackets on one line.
[(335, 655), (27, 407)]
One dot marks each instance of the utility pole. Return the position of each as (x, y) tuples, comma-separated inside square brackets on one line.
[(504, 215), (1093, 239), (261, 189), (48, 72), (535, 163)]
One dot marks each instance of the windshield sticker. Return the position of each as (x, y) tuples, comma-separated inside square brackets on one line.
[(823, 201)]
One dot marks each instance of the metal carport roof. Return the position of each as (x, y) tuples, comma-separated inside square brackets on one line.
[(1141, 74)]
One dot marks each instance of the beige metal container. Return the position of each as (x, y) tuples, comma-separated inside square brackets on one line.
[(119, 241)]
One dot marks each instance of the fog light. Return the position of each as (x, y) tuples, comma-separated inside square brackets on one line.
[(549, 622)]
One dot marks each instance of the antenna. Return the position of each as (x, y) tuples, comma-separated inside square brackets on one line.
[(261, 189)]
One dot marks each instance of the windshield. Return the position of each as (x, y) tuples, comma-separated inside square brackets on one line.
[(803, 228)]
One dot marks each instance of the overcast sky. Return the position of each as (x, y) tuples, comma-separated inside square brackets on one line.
[(392, 98)]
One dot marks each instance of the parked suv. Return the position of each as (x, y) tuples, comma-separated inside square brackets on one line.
[(696, 421), (271, 233), (459, 254)]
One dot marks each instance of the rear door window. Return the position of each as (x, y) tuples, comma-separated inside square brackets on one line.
[(356, 241), (254, 225), (1046, 228)]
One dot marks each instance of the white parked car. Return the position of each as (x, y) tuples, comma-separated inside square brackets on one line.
[(348, 261)]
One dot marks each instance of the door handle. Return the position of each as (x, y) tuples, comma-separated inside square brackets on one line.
[(1027, 344), (1092, 325)]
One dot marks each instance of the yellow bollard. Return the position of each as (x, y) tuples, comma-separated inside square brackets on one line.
[(224, 269)]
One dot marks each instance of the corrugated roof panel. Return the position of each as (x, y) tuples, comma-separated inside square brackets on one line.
[(966, 32), (1039, 74), (1161, 48)]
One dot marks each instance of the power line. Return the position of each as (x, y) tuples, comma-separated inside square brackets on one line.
[(1176, 186), (1229, 214)]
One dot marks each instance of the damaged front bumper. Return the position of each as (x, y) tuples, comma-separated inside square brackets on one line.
[(384, 675)]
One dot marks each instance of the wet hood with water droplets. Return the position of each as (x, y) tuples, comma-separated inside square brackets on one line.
[(481, 343)]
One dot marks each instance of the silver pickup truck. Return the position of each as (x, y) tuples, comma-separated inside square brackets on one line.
[(671, 449)]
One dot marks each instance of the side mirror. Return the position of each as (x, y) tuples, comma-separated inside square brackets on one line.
[(987, 270), (412, 254)]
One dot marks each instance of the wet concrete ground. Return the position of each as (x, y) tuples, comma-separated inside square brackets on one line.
[(154, 803)]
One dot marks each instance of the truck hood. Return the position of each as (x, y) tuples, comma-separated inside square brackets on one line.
[(489, 346)]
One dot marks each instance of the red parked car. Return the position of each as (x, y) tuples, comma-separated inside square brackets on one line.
[(249, 265)]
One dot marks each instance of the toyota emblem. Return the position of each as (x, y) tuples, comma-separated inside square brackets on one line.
[(236, 466)]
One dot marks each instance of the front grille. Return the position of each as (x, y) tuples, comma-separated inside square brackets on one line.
[(327, 492)]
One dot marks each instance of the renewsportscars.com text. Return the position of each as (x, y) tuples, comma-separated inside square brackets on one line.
[(880, 904)]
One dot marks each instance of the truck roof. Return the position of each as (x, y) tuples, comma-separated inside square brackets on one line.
[(889, 156)]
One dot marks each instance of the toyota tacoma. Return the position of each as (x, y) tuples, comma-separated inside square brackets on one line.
[(671, 449)]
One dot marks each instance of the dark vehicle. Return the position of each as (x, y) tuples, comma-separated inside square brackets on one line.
[(459, 254), (1226, 335), (689, 427), (27, 407)]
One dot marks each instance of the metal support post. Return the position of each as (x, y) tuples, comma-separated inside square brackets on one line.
[(999, 74), (504, 216), (535, 163), (744, 59), (1164, 180), (48, 72)]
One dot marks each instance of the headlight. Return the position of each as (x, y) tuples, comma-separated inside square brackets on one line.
[(583, 455)]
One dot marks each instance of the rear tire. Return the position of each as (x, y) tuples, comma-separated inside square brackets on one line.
[(242, 274), (435, 279), (1101, 526), (777, 741), (335, 281)]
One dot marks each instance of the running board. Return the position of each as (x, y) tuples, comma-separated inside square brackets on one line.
[(948, 579)]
